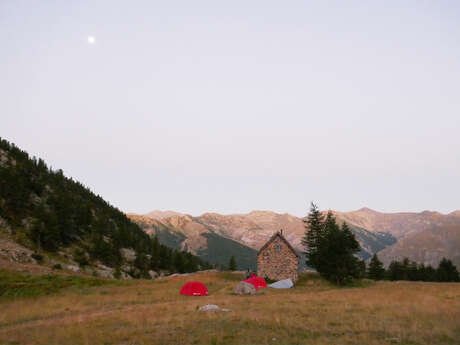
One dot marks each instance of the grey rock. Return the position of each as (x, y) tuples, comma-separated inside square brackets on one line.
[(126, 268), (244, 288), (104, 274), (124, 275), (209, 307), (213, 307), (128, 254), (73, 268), (104, 271), (153, 274)]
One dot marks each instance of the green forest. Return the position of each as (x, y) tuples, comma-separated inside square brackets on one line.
[(46, 211)]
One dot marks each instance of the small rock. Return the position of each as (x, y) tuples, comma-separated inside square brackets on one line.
[(209, 307)]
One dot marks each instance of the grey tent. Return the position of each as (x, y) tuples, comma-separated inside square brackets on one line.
[(282, 284)]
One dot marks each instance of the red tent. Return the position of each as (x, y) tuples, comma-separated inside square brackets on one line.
[(194, 289), (258, 282)]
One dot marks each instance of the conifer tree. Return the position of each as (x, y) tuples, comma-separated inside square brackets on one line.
[(395, 271), (232, 264), (314, 225), (447, 272), (376, 270)]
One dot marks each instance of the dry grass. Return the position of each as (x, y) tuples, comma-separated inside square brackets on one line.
[(146, 312)]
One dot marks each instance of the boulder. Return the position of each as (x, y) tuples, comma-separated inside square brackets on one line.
[(124, 275), (128, 254), (104, 271), (126, 268), (244, 288), (153, 274), (130, 270), (73, 268), (104, 274)]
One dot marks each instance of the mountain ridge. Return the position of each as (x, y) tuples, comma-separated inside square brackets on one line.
[(377, 232)]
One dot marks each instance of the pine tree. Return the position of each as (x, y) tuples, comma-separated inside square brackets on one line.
[(395, 271), (179, 262), (447, 272), (362, 269), (232, 264), (314, 225), (376, 270), (331, 249)]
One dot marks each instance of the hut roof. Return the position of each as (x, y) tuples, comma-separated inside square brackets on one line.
[(280, 235)]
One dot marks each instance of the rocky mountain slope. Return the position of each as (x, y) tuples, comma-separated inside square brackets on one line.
[(400, 225), (186, 233), (250, 231), (424, 237), (427, 246)]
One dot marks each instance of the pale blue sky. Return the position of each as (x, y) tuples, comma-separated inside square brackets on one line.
[(231, 106)]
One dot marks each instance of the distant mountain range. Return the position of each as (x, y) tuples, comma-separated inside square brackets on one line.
[(424, 237)]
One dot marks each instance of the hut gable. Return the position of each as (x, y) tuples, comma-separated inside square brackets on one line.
[(277, 259)]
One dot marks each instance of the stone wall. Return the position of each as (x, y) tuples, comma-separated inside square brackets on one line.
[(277, 261)]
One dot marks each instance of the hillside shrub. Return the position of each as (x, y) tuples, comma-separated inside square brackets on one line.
[(37, 257)]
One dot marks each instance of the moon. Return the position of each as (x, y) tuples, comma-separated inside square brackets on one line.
[(91, 40)]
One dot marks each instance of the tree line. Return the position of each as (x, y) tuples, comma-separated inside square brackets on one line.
[(331, 250), (47, 211), (410, 270)]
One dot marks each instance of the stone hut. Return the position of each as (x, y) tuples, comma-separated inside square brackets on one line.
[(277, 259)]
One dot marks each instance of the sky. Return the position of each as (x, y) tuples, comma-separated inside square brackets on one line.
[(233, 106)]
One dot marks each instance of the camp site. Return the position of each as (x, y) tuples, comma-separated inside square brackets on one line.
[(227, 307), (312, 312)]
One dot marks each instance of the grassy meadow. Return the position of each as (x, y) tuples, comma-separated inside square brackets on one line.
[(152, 312)]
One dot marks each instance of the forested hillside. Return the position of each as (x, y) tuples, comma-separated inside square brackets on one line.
[(47, 212)]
